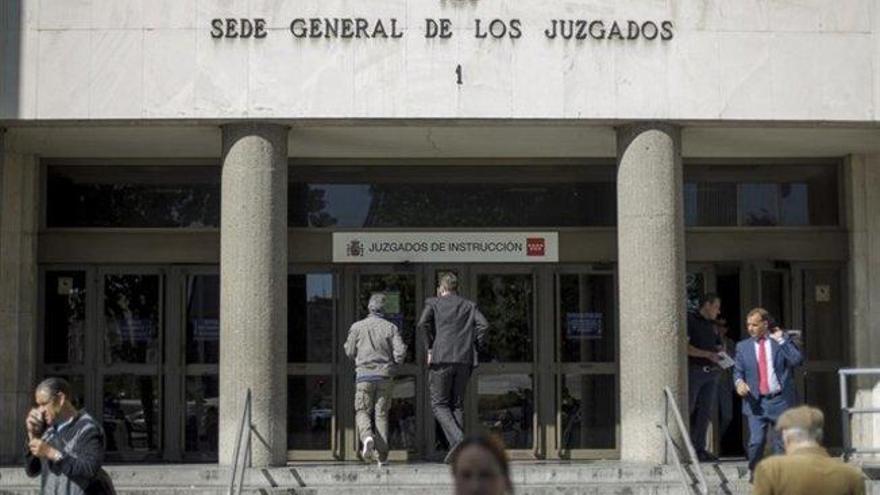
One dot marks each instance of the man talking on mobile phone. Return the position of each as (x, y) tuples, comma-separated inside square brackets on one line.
[(65, 445), (764, 378)]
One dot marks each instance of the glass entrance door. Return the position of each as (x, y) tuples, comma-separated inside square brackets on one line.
[(810, 297), (546, 382), (500, 397), (503, 385), (406, 418), (586, 330)]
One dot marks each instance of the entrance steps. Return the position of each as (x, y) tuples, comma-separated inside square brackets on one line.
[(529, 478)]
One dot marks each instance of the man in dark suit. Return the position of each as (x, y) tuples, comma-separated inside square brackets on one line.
[(454, 328), (764, 378)]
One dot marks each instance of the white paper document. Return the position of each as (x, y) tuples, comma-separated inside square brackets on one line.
[(726, 361)]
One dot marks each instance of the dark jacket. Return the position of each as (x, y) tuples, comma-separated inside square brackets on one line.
[(454, 328), (79, 471), (786, 357)]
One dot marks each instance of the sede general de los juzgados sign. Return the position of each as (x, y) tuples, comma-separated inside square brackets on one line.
[(332, 28)]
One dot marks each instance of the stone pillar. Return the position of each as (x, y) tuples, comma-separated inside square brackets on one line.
[(19, 204), (862, 186), (253, 290), (651, 268)]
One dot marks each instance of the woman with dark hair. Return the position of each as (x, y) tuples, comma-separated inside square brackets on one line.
[(480, 467)]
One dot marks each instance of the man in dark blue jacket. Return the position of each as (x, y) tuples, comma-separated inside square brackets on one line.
[(764, 378)]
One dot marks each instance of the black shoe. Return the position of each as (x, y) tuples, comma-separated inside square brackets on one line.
[(704, 456)]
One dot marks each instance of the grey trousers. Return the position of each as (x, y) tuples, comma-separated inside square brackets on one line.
[(448, 383), (702, 394), (373, 399)]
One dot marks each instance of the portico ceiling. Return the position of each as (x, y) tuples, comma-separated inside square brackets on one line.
[(434, 140)]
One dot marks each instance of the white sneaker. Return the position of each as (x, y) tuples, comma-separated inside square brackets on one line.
[(367, 453)]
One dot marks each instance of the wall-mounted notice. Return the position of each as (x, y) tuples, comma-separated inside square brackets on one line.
[(445, 247)]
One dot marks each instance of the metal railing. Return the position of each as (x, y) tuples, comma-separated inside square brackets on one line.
[(702, 486), (244, 430), (848, 412)]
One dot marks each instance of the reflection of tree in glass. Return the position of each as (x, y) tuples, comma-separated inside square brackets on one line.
[(484, 205), (316, 203), (150, 204), (131, 309), (506, 301), (509, 415), (762, 218)]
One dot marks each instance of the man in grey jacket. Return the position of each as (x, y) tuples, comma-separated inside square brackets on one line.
[(454, 329), (375, 345), (65, 446)]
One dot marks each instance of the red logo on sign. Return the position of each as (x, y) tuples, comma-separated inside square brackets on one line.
[(535, 246)]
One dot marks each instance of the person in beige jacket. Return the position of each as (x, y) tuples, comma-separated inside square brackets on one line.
[(376, 347), (806, 468)]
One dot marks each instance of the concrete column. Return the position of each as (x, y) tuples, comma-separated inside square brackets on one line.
[(862, 189), (651, 268), (253, 291), (19, 204)]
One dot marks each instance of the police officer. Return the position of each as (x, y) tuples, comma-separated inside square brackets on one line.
[(704, 345)]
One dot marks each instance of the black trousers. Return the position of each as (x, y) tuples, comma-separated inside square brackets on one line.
[(448, 383)]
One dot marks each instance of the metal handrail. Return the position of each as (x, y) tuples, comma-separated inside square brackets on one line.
[(848, 412), (670, 445), (702, 486), (246, 459)]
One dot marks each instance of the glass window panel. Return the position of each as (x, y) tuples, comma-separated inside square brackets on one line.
[(773, 296), (452, 205), (310, 318), (309, 412), (795, 204), (65, 317), (506, 408), (824, 325), (759, 204), (133, 196), (202, 406), (506, 300), (690, 204), (203, 319), (588, 412), (402, 415), (131, 311), (587, 317), (131, 413), (822, 390), (400, 306), (710, 204), (695, 285)]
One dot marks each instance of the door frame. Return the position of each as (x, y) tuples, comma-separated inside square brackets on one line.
[(537, 448), (103, 369), (560, 369)]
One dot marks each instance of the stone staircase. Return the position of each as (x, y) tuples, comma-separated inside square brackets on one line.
[(531, 478)]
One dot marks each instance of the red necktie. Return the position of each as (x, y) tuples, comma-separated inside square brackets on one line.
[(763, 375)]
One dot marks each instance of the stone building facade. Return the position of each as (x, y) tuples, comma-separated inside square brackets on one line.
[(183, 185)]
